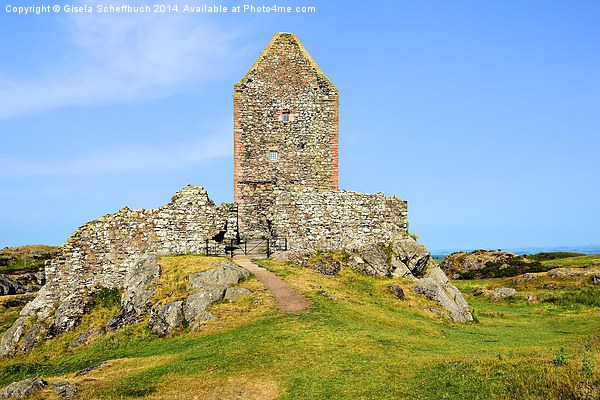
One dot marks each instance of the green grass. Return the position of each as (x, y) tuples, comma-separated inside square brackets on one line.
[(22, 267), (571, 262), (554, 255), (357, 342)]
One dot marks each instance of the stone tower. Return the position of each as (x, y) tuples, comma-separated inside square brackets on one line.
[(285, 131)]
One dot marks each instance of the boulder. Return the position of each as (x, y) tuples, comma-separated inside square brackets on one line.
[(32, 337), (502, 293), (407, 252), (326, 264), (9, 286), (438, 289), (165, 318), (402, 271), (139, 289), (371, 260), (235, 294), (596, 279), (197, 303), (556, 272), (397, 291), (22, 389), (10, 338), (64, 389), (296, 256), (226, 274)]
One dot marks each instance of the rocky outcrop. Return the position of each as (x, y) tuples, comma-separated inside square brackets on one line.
[(435, 286), (226, 274), (23, 389), (9, 286), (208, 287), (139, 289), (397, 291), (401, 257), (64, 389), (165, 318), (487, 264), (235, 294)]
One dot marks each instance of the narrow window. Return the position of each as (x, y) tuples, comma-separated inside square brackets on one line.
[(285, 116), (273, 155)]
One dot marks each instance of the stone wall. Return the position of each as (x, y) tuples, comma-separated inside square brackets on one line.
[(337, 219), (99, 254), (284, 79)]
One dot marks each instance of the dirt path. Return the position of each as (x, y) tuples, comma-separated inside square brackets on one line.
[(287, 298)]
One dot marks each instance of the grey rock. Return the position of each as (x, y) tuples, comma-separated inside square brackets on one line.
[(596, 279), (87, 370), (327, 264), (31, 338), (553, 286), (165, 318), (431, 289), (136, 301), (371, 260), (84, 337), (397, 291), (201, 319), (64, 389), (553, 273), (226, 274), (67, 315), (8, 343), (32, 281), (413, 255), (9, 286), (296, 256), (402, 271), (528, 276), (197, 302), (235, 294), (434, 272), (502, 293), (22, 389)]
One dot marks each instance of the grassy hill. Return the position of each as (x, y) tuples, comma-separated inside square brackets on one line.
[(358, 342), (23, 258)]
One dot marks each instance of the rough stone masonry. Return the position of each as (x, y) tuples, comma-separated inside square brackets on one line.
[(285, 131), (285, 186)]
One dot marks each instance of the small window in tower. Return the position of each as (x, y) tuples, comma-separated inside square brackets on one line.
[(273, 155), (286, 116)]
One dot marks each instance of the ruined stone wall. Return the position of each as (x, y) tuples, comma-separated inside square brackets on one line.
[(337, 219), (283, 80), (99, 254)]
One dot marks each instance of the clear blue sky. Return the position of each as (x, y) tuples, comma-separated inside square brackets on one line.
[(485, 116)]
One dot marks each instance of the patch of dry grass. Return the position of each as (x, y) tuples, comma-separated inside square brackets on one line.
[(208, 386)]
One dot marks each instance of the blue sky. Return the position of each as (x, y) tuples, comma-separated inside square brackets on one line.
[(485, 116)]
